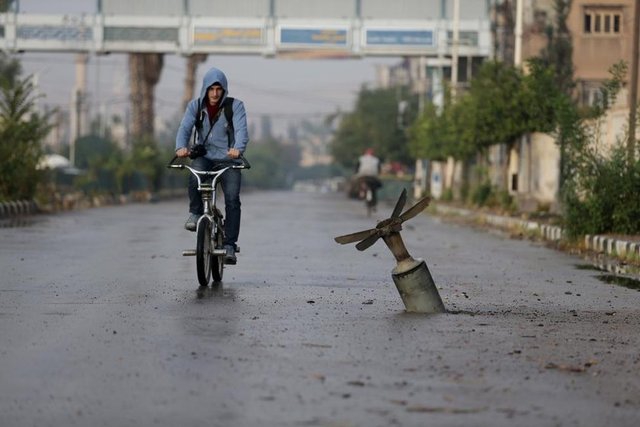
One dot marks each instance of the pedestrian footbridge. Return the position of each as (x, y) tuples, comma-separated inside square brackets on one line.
[(309, 28)]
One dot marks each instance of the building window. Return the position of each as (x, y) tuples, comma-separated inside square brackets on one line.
[(602, 21), (590, 93)]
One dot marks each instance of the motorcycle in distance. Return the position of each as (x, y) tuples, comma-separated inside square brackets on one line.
[(209, 250)]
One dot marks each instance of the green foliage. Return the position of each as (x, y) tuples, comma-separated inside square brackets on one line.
[(501, 106), (10, 70), (437, 136), (101, 160), (601, 189), (498, 103), (481, 194), (426, 136), (94, 150), (143, 168), (603, 196), (373, 123), (21, 131)]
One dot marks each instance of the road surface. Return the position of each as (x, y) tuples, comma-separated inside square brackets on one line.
[(102, 324)]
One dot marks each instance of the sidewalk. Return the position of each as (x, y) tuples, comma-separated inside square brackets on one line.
[(622, 248)]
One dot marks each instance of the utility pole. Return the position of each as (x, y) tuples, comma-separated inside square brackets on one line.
[(517, 56), (454, 48), (72, 148), (78, 97), (633, 83)]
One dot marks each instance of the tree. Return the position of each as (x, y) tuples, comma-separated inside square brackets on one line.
[(144, 74), (501, 106), (373, 123), (22, 130), (426, 135), (558, 53)]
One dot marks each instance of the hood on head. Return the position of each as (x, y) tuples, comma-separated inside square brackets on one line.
[(212, 76)]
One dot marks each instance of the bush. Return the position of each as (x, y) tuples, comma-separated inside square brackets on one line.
[(481, 194), (21, 132), (604, 196)]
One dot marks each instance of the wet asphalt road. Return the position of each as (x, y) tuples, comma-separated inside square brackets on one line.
[(101, 324)]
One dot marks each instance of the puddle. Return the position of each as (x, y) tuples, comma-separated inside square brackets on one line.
[(626, 282), (588, 267), (16, 222), (610, 266), (624, 275)]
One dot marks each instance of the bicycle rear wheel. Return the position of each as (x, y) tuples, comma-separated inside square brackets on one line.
[(203, 251), (368, 201)]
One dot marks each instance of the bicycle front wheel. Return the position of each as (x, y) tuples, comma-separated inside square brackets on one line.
[(217, 261), (203, 251)]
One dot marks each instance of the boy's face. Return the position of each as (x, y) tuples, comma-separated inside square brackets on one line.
[(214, 93)]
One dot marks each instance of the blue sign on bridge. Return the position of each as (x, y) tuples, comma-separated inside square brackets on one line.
[(400, 37)]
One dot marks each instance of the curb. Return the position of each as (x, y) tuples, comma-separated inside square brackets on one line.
[(613, 247), (18, 208), (596, 243)]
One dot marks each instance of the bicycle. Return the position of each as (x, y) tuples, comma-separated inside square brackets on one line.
[(209, 250)]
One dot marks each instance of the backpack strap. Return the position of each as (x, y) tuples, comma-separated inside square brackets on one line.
[(227, 107), (199, 116)]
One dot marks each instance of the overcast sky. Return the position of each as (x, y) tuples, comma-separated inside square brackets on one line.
[(286, 89)]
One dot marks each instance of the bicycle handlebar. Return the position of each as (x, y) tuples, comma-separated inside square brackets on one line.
[(233, 165)]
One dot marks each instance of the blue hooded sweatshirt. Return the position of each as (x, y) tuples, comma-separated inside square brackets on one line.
[(217, 143)]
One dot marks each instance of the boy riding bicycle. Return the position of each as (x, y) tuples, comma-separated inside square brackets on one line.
[(221, 135)]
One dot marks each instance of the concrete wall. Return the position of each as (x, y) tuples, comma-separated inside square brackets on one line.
[(545, 168)]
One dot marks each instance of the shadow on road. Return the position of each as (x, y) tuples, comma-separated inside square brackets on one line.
[(215, 292)]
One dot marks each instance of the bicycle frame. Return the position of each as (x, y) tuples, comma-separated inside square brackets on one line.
[(209, 193)]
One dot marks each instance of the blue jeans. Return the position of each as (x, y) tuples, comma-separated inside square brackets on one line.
[(231, 181)]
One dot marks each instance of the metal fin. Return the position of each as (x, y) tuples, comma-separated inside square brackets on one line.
[(367, 242), (416, 209), (399, 204), (354, 237)]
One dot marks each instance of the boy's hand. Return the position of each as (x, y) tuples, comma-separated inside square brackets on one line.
[(233, 153)]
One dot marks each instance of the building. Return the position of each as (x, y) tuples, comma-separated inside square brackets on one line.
[(601, 32)]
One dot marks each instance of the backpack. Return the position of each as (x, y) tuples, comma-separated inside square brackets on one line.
[(227, 107)]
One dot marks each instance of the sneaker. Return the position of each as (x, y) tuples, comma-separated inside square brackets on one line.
[(192, 221), (230, 256)]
